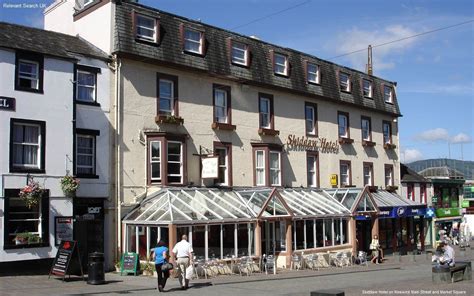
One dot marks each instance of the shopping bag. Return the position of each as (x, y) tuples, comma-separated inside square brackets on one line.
[(189, 272)]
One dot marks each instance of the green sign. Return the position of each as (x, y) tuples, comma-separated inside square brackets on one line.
[(447, 212), (465, 204), (129, 263)]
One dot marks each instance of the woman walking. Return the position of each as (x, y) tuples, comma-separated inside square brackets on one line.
[(160, 256)]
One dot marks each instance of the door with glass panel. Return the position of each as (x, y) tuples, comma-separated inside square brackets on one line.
[(273, 237)]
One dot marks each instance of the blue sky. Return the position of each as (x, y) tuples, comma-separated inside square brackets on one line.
[(434, 72)]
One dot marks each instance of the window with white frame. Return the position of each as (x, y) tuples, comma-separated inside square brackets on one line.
[(260, 168), (145, 28), (28, 74), (85, 154), (220, 105), (166, 89), (343, 124), (87, 2), (223, 165), (175, 162), (86, 85), (26, 145), (312, 170), (275, 171), (388, 94), (280, 64), (239, 53), (365, 126), (310, 116), (155, 160), (344, 82), (368, 175), (367, 88), (387, 132), (388, 175), (265, 112), (193, 41), (312, 73), (345, 173)]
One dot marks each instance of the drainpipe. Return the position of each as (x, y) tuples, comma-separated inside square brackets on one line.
[(118, 107)]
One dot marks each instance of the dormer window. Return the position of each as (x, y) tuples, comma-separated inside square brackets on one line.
[(239, 53), (193, 41), (344, 82), (312, 73), (280, 64), (388, 94), (146, 28), (367, 88)]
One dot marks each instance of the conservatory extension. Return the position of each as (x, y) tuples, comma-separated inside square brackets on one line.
[(224, 224)]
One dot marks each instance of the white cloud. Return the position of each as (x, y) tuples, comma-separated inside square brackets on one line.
[(410, 155), (461, 138), (356, 39), (434, 135)]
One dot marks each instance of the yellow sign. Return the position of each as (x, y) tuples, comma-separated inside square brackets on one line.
[(334, 179)]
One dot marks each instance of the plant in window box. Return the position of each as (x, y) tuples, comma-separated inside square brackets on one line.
[(31, 193), (392, 188), (26, 238), (69, 185), (171, 119)]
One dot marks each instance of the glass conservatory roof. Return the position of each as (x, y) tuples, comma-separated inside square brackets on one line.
[(188, 205)]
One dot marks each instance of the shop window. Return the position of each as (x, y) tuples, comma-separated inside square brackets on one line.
[(198, 241), (328, 232), (27, 145), (214, 241), (228, 240), (337, 232), (345, 238), (319, 233), (280, 236), (309, 229), (299, 234), (243, 239), (25, 227)]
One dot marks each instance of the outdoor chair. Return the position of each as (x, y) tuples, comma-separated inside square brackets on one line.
[(312, 261), (362, 258), (296, 262), (341, 259), (244, 266), (269, 263)]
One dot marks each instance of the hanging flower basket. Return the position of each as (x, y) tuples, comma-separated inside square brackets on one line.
[(31, 193), (69, 185)]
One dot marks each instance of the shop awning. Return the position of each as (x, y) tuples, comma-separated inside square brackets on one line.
[(385, 198)]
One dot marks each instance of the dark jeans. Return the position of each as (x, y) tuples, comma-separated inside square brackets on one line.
[(162, 275)]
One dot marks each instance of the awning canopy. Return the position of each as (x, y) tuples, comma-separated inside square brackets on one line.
[(204, 205), (385, 198)]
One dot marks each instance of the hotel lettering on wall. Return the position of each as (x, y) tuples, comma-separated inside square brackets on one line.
[(294, 143), (7, 103)]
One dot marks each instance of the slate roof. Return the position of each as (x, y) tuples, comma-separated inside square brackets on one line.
[(216, 62), (46, 42), (410, 176)]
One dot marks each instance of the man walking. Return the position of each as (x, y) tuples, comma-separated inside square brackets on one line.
[(183, 252)]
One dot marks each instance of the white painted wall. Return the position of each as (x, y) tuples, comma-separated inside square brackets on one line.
[(95, 27), (97, 118), (58, 17), (55, 108)]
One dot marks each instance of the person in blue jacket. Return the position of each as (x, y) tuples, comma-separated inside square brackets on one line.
[(160, 255)]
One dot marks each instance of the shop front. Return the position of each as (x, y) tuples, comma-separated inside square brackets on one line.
[(227, 224), (446, 220), (402, 225)]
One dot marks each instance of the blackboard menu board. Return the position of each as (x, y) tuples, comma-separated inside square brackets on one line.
[(129, 263), (63, 229), (66, 251)]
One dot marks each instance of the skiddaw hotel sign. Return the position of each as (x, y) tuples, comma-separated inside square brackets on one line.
[(294, 143)]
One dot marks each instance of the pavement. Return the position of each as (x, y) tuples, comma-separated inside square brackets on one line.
[(405, 275)]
